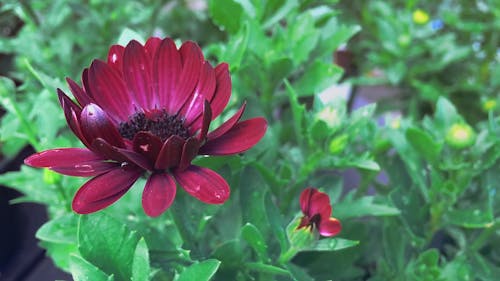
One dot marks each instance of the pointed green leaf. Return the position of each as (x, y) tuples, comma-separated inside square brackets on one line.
[(364, 206), (201, 271), (82, 270), (423, 144), (59, 230), (226, 14), (254, 238), (317, 77), (140, 264), (331, 244), (108, 244), (127, 35), (266, 268), (298, 111)]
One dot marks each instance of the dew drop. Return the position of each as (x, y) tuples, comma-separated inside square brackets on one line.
[(84, 167)]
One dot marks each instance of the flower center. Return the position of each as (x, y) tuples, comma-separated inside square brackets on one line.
[(158, 123)]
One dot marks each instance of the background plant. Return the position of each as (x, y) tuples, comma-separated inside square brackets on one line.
[(423, 206)]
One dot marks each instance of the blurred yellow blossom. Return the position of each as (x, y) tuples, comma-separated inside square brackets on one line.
[(420, 16)]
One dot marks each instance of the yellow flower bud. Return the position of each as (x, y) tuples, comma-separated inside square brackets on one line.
[(489, 105), (50, 177), (460, 135), (420, 16)]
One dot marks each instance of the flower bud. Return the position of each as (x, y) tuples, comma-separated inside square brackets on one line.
[(338, 144), (50, 177), (420, 16), (460, 135)]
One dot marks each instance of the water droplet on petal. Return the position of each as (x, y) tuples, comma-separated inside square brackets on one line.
[(84, 167)]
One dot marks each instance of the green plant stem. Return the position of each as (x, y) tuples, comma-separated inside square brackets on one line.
[(288, 255), (30, 134), (175, 213), (483, 238)]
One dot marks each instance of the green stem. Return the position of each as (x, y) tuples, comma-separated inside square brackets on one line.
[(27, 129), (484, 237), (288, 255), (176, 211)]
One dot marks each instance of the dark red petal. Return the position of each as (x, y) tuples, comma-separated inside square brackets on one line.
[(319, 204), (170, 153), (137, 75), (329, 227), (189, 152), (193, 108), (66, 103), (61, 157), (304, 222), (75, 125), (86, 83), (207, 117), (80, 95), (104, 190), (192, 65), (115, 57), (86, 169), (204, 184), (148, 145), (136, 158), (167, 70), (71, 113), (152, 46), (226, 126), (305, 200), (223, 90), (158, 194), (95, 123), (109, 152), (238, 139), (109, 91)]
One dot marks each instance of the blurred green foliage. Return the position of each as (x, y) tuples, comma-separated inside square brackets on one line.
[(424, 202)]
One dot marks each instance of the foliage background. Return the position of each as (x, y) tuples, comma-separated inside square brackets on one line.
[(423, 207)]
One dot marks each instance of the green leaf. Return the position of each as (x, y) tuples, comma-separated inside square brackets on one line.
[(331, 244), (472, 217), (59, 230), (277, 10), (127, 35), (28, 181), (230, 253), (227, 18), (366, 164), (266, 268), (445, 115), (364, 206), (333, 35), (140, 264), (298, 273), (304, 35), (108, 244), (254, 238), (201, 271), (298, 111), (236, 48), (424, 144), (82, 270), (317, 77), (59, 253)]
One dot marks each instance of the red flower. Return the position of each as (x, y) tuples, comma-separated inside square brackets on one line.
[(147, 110), (317, 210)]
